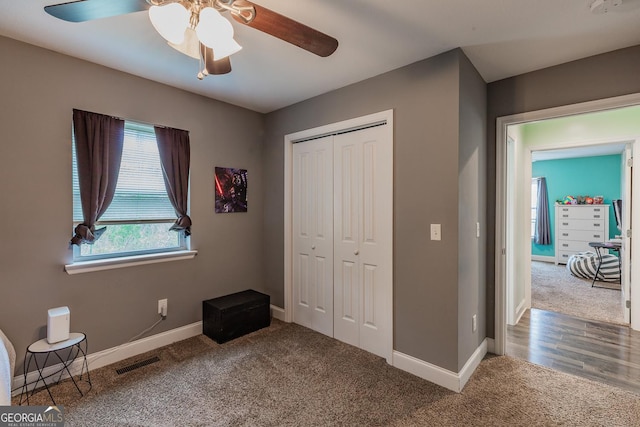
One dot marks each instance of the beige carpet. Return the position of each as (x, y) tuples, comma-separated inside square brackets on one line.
[(287, 375), (553, 288)]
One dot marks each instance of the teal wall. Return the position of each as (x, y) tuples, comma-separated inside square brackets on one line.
[(593, 176)]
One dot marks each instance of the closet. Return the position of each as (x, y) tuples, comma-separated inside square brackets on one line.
[(342, 236)]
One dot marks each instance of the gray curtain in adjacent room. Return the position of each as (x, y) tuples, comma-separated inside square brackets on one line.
[(543, 222), (99, 140), (174, 149)]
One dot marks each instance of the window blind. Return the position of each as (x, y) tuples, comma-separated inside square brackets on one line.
[(140, 192)]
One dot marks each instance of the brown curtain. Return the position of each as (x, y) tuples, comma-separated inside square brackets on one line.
[(99, 140), (173, 146)]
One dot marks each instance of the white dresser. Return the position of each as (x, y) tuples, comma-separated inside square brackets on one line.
[(576, 226)]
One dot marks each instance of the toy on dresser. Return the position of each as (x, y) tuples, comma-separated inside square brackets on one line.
[(581, 200)]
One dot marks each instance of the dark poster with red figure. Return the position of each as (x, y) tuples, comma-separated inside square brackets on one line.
[(231, 190)]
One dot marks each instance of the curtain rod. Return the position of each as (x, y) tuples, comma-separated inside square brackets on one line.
[(134, 121)]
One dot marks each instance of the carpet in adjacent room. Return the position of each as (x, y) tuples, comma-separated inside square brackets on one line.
[(553, 288)]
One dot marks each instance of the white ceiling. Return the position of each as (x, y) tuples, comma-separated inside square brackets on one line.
[(501, 37)]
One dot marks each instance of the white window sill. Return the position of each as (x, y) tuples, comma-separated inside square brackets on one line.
[(109, 264)]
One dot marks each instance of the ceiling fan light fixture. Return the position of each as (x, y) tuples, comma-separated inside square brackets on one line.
[(170, 21), (197, 29), (216, 32)]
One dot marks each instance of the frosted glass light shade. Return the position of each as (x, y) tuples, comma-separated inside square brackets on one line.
[(224, 48), (170, 21), (190, 46), (216, 32)]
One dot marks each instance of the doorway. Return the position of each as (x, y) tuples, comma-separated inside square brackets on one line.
[(506, 260), (539, 274), (339, 231)]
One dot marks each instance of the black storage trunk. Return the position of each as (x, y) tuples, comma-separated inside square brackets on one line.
[(232, 316)]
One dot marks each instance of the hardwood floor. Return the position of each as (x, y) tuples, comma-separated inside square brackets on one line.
[(599, 351)]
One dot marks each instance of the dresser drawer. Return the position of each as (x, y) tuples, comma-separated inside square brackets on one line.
[(574, 246), (584, 235), (580, 212), (581, 224), (563, 256)]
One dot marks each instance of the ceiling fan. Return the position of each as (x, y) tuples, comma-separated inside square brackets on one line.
[(197, 28)]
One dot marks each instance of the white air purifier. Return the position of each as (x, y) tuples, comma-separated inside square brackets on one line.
[(58, 324)]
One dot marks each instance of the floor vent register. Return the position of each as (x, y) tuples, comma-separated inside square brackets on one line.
[(137, 365)]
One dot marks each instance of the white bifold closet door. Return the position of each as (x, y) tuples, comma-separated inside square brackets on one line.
[(363, 239), (313, 234), (343, 237)]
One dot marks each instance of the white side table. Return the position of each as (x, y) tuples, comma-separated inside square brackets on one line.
[(66, 351)]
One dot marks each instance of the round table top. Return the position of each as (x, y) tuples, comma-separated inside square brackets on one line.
[(606, 245), (43, 345)]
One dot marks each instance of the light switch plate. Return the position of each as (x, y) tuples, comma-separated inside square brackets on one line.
[(436, 232)]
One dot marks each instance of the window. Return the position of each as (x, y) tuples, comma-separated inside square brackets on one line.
[(534, 205), (140, 215)]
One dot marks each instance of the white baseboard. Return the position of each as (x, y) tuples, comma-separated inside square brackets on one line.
[(427, 371), (543, 258), (440, 376), (472, 363), (520, 310), (113, 355), (491, 345), (277, 312)]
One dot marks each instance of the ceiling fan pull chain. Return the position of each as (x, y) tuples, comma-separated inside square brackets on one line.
[(201, 68)]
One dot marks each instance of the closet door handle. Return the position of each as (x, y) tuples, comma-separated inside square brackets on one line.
[(356, 252), (313, 247)]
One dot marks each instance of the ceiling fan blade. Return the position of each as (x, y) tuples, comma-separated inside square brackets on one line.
[(221, 66), (289, 30), (87, 10)]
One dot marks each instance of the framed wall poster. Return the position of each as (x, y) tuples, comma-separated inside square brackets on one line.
[(231, 190)]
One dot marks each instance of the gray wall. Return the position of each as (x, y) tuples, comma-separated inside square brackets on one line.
[(38, 90), (426, 102), (602, 76), (472, 210)]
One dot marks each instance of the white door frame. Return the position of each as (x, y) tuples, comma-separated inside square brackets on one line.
[(625, 252), (289, 140), (501, 247)]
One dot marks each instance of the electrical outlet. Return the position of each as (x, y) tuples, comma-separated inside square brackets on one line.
[(477, 229), (474, 323), (162, 307)]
